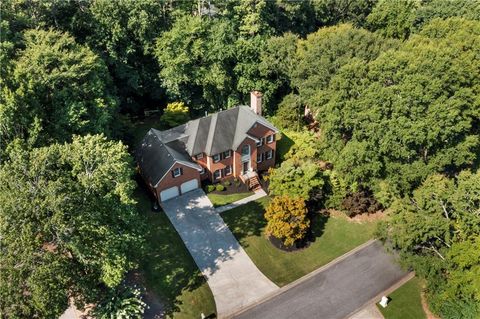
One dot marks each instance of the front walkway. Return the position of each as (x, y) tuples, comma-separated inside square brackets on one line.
[(234, 279), (258, 194)]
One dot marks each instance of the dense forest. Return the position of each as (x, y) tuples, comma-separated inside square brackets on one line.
[(393, 87)]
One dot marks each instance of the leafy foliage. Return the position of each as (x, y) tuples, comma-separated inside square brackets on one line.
[(389, 120), (296, 178), (57, 204), (287, 219), (123, 32), (322, 53), (59, 88), (360, 202), (437, 229), (393, 18), (124, 302), (175, 114)]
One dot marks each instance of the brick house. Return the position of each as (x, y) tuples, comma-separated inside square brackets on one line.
[(237, 142)]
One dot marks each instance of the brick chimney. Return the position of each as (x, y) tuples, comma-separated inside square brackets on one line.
[(256, 102)]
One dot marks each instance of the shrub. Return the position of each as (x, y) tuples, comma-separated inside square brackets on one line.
[(359, 203), (227, 183), (287, 219), (210, 188), (175, 114), (220, 188), (124, 302)]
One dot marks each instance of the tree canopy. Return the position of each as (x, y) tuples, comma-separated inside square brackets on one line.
[(57, 88), (68, 224), (408, 113)]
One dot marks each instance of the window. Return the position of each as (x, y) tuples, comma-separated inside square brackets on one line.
[(270, 138), (216, 158), (228, 170), (269, 154), (260, 142), (202, 171), (217, 174), (199, 156), (177, 172), (226, 154), (259, 157), (245, 150)]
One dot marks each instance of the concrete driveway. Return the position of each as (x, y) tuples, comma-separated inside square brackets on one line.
[(335, 291), (234, 279)]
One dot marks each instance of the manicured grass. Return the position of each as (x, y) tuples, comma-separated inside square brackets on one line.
[(168, 268), (405, 302), (333, 237), (220, 199)]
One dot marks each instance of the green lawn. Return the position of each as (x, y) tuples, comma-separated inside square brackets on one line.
[(333, 237), (405, 302), (221, 200), (169, 270)]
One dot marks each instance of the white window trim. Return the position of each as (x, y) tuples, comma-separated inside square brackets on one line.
[(228, 170), (175, 175), (229, 152), (199, 156), (270, 139), (219, 158), (219, 174), (269, 155), (260, 142), (202, 171), (261, 157)]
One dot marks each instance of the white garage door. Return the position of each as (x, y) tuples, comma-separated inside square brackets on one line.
[(189, 186), (169, 193)]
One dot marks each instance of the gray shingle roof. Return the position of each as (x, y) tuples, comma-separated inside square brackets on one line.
[(213, 134)]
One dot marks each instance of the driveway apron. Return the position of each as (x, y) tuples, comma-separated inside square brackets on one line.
[(234, 279)]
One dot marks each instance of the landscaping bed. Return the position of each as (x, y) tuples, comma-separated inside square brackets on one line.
[(331, 238), (226, 192)]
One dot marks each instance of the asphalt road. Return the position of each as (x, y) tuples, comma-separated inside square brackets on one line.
[(337, 291)]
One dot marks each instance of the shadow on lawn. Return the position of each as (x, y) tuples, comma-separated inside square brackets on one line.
[(167, 267), (248, 220)]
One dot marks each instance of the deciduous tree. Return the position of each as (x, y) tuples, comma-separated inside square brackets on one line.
[(287, 219), (68, 223)]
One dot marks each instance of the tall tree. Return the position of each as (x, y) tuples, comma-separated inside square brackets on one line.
[(68, 224), (59, 88), (437, 231), (410, 112), (325, 51), (194, 56), (123, 33), (393, 18)]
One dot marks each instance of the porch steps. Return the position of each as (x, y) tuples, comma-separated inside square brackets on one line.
[(254, 183)]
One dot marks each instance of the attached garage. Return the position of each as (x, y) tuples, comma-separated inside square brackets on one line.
[(189, 186), (169, 193)]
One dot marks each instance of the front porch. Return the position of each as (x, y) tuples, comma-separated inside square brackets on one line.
[(251, 179)]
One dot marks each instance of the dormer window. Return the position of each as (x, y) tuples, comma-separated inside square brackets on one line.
[(177, 172), (270, 139), (216, 158), (199, 156), (227, 154)]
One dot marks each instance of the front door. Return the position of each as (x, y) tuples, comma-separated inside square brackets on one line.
[(245, 168)]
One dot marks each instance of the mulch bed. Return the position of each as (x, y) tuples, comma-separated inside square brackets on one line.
[(277, 243), (231, 189)]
